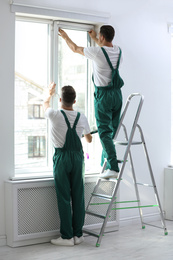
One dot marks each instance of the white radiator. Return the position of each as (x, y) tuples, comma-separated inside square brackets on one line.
[(168, 193), (32, 214)]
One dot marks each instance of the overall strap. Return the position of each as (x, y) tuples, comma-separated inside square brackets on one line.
[(76, 120), (108, 60), (67, 122), (119, 58), (66, 119)]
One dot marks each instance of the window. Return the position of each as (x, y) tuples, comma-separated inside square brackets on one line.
[(35, 107), (42, 56), (73, 68), (36, 146), (32, 68)]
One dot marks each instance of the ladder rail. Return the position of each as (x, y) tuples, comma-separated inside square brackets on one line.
[(152, 178), (134, 177), (125, 110), (132, 131), (126, 153), (107, 216), (94, 191)]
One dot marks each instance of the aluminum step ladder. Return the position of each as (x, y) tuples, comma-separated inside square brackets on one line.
[(112, 199)]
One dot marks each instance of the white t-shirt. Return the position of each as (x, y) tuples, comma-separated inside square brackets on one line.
[(101, 69), (59, 126)]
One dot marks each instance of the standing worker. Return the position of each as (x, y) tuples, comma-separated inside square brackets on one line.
[(67, 127), (107, 96)]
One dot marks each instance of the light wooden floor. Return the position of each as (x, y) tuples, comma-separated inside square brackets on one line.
[(130, 242)]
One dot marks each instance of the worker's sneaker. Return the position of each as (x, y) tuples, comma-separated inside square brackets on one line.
[(78, 240), (62, 242), (109, 174)]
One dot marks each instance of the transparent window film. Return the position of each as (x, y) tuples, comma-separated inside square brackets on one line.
[(32, 67), (31, 79), (73, 68)]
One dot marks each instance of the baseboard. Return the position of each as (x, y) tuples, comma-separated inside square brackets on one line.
[(32, 241), (111, 226), (3, 241)]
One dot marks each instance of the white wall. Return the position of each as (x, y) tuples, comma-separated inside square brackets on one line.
[(7, 103), (141, 31)]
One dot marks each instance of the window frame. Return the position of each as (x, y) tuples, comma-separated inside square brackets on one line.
[(72, 26), (48, 169), (54, 25), (171, 32)]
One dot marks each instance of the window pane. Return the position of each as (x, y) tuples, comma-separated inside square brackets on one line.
[(31, 78), (36, 111), (42, 146), (30, 146), (72, 68)]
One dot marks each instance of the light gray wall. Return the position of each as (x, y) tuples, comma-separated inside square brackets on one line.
[(7, 23), (141, 31)]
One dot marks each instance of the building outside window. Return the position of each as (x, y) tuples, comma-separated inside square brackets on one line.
[(36, 146), (35, 107)]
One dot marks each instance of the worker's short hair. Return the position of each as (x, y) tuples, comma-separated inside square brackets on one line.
[(108, 32), (68, 95)]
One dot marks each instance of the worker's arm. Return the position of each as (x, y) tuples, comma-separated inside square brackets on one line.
[(93, 36), (88, 138), (51, 92), (70, 43)]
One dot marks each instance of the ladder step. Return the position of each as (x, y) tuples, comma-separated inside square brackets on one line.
[(145, 184), (137, 207), (102, 196), (89, 232), (120, 161), (126, 143), (109, 180), (95, 214)]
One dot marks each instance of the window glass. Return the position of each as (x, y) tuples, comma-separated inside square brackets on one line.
[(74, 69), (33, 56), (31, 79)]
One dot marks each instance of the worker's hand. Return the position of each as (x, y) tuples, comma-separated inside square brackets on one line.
[(92, 34), (51, 88), (62, 34)]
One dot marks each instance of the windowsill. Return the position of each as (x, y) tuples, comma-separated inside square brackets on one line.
[(45, 176), (44, 173)]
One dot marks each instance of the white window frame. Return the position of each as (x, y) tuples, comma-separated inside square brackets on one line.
[(73, 26), (40, 171), (171, 159), (53, 76)]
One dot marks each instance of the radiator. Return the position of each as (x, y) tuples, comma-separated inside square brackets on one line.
[(168, 193), (32, 214)]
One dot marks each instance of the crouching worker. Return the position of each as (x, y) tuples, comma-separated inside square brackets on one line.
[(67, 127)]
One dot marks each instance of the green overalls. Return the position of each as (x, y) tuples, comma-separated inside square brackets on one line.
[(108, 103), (68, 177)]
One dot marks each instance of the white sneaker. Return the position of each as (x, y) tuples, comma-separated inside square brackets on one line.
[(62, 242), (78, 240), (109, 174)]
